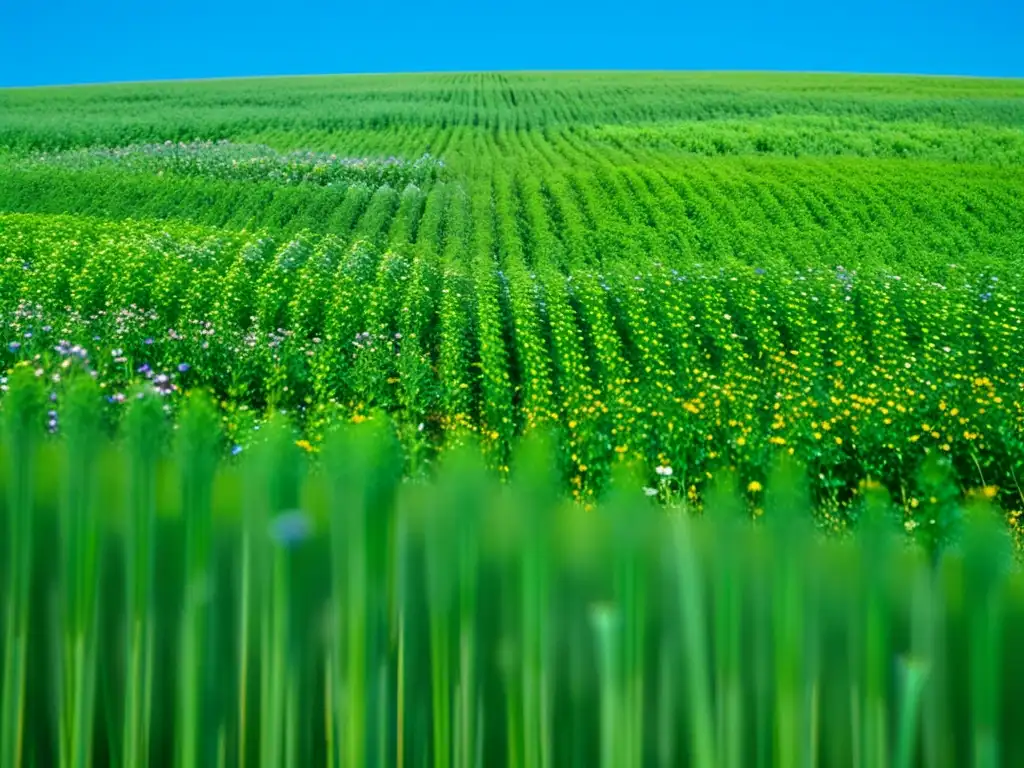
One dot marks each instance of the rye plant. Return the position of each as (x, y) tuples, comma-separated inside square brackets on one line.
[(291, 608)]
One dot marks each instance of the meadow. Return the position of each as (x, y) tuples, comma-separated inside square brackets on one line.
[(228, 305)]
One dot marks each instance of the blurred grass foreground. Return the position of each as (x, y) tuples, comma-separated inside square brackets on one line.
[(161, 606)]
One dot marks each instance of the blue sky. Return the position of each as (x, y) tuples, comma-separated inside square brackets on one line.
[(76, 41)]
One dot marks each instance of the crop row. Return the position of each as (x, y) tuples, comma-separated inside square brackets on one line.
[(860, 372), (602, 205), (57, 119), (825, 135), (246, 162)]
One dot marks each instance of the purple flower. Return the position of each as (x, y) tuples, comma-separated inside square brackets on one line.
[(14, 346), (148, 341), (184, 368), (144, 369)]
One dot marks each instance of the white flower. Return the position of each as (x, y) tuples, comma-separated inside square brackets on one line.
[(664, 471), (651, 491)]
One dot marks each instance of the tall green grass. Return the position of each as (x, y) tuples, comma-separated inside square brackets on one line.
[(161, 607)]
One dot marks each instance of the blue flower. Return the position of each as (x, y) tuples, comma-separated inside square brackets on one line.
[(235, 450), (291, 528), (184, 368), (14, 346)]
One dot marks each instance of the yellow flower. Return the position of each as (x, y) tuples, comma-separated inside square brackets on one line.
[(989, 491), (754, 486), (305, 445), (839, 441)]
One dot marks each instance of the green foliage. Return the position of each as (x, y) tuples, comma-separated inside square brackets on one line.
[(474, 622), (308, 460)]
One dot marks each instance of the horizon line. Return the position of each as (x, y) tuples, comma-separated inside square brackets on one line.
[(223, 78)]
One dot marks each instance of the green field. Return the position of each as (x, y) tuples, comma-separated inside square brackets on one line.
[(686, 269), (546, 388)]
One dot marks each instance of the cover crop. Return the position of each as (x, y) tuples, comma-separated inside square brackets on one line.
[(492, 419), (689, 270)]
